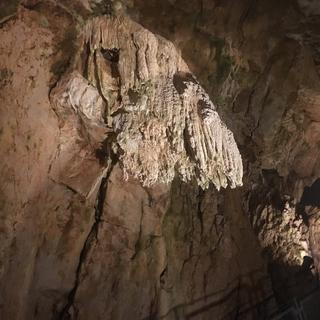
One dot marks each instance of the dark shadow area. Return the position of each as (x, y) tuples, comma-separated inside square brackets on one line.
[(273, 186), (311, 195), (105, 151), (180, 79), (208, 304), (292, 282), (295, 290), (311, 198), (293, 285), (112, 56), (269, 191)]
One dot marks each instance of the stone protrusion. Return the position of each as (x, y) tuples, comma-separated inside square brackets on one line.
[(164, 121)]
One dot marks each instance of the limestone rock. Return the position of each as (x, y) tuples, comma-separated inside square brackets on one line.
[(80, 110), (164, 121), (80, 241)]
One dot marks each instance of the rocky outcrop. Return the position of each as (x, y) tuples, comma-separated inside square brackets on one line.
[(164, 122), (136, 101), (70, 222), (112, 154)]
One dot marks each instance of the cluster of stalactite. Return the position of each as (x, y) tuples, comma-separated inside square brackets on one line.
[(136, 83)]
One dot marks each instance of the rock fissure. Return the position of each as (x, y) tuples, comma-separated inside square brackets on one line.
[(137, 246), (200, 211), (92, 237)]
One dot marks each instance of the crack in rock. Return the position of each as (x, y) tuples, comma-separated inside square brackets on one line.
[(93, 235)]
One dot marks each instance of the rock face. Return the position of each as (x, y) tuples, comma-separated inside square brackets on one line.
[(113, 154), (70, 224), (273, 117)]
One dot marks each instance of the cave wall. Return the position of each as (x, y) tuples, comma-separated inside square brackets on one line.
[(127, 250), (264, 77)]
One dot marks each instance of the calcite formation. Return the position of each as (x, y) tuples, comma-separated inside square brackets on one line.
[(80, 110), (137, 84)]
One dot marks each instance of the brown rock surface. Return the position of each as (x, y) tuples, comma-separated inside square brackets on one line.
[(82, 240)]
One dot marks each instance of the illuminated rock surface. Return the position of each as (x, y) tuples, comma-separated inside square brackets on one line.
[(113, 147), (164, 122)]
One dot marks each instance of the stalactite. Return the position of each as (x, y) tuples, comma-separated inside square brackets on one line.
[(164, 120)]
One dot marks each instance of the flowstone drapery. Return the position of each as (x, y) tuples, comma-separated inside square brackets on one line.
[(164, 122)]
